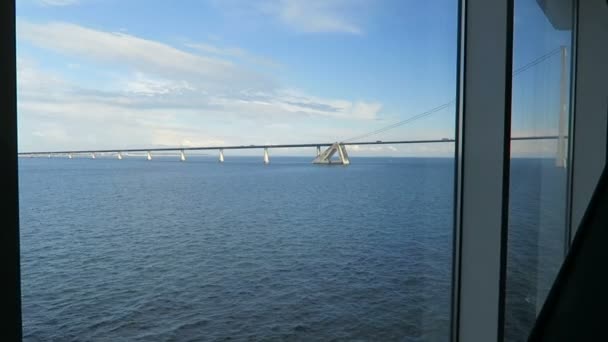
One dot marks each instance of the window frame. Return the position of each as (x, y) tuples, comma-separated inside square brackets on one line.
[(482, 172), (589, 124), (11, 277), (482, 150)]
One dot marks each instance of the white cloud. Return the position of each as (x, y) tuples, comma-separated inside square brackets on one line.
[(216, 50), (298, 102), (58, 2), (158, 94), (314, 16), (364, 110), (31, 78), (138, 53), (238, 53), (159, 69), (172, 137), (305, 16), (143, 85)]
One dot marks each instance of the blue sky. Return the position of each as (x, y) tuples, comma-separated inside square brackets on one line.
[(119, 74)]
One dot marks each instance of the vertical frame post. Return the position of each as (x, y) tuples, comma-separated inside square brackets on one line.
[(589, 126), (482, 186), (9, 252)]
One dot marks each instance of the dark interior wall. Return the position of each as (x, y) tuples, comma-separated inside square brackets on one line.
[(576, 308), (559, 12), (9, 225)]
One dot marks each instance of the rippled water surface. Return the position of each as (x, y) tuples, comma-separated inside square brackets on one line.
[(137, 250), (160, 250)]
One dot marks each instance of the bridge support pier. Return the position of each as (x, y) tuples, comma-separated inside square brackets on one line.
[(266, 157), (325, 157), (69, 156), (119, 156), (182, 156), (221, 156), (343, 155), (149, 156), (92, 155), (318, 151)]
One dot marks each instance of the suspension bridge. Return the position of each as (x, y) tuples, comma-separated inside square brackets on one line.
[(337, 148)]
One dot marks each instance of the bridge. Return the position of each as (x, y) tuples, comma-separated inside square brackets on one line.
[(338, 148), (324, 157)]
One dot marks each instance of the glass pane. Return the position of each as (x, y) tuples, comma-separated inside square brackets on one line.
[(540, 117), (160, 212)]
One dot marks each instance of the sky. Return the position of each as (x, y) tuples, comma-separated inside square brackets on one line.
[(112, 74)]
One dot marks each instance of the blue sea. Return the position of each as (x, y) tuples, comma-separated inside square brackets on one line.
[(163, 250)]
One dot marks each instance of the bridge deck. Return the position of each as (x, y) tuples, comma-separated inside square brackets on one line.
[(244, 147)]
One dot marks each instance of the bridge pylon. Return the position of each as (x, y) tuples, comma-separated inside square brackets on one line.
[(221, 159), (325, 157), (266, 156)]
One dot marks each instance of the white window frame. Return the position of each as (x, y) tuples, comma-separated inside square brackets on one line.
[(482, 175), (483, 155)]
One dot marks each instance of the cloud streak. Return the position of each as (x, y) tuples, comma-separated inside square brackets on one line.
[(58, 2), (233, 52), (160, 90), (314, 16), (303, 16), (119, 48)]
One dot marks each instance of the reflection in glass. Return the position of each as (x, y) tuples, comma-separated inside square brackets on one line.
[(540, 119)]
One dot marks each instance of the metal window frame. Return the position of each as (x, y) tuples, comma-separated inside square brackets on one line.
[(9, 252), (589, 125), (482, 157), (482, 171), (482, 152)]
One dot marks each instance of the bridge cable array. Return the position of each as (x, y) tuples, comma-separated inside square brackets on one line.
[(419, 116)]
